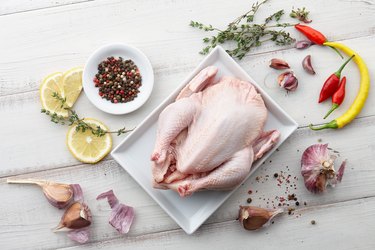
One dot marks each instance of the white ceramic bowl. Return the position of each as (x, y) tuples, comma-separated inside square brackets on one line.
[(126, 52)]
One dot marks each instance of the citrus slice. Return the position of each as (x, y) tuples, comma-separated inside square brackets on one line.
[(52, 84), (87, 147), (72, 85)]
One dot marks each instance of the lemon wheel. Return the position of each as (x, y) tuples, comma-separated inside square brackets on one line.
[(51, 84), (87, 147)]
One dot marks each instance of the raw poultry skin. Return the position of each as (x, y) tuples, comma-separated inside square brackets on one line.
[(210, 136)]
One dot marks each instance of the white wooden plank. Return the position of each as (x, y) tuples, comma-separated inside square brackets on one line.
[(346, 225), (60, 38), (43, 143), (8, 7), (35, 217)]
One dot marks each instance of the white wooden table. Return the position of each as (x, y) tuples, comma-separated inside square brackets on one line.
[(40, 37)]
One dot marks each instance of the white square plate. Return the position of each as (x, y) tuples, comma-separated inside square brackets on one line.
[(133, 154)]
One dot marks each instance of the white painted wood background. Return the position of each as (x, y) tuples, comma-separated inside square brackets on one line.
[(39, 37)]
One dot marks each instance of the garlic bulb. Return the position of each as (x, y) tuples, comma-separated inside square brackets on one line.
[(58, 194), (317, 168), (253, 218)]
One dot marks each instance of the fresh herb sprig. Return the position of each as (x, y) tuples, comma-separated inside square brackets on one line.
[(73, 119), (246, 34), (301, 14)]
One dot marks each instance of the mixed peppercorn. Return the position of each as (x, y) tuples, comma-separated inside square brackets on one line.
[(118, 80)]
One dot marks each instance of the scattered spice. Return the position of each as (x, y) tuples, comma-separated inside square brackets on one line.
[(297, 203), (275, 175), (249, 200), (118, 80), (250, 191), (313, 222)]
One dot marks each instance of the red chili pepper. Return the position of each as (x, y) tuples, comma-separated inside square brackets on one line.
[(312, 34), (338, 97), (332, 83)]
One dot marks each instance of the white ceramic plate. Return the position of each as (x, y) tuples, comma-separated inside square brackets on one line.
[(133, 154), (126, 52)]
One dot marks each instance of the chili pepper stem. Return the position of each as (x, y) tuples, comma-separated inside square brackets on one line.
[(334, 106), (338, 72), (337, 51), (331, 124)]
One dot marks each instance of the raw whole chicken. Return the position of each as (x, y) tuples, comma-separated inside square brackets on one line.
[(210, 136)]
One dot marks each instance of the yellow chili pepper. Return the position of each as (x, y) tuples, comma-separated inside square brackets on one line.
[(360, 100)]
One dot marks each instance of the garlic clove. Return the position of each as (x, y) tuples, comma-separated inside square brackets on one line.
[(77, 216), (288, 81), (122, 216), (253, 218), (278, 64), (306, 64), (304, 44), (58, 194)]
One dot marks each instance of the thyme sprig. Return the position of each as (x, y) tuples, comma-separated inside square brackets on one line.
[(73, 119), (301, 14), (246, 34)]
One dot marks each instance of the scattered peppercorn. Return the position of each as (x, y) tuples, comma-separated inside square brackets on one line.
[(313, 222), (118, 80), (249, 200), (297, 203), (275, 175)]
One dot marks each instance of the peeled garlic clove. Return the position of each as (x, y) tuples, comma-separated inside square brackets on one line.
[(306, 64), (317, 168), (279, 64), (253, 218), (77, 216), (288, 81), (121, 217), (58, 194), (304, 44)]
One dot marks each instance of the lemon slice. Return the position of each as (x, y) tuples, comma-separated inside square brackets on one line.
[(51, 84), (72, 85), (87, 147)]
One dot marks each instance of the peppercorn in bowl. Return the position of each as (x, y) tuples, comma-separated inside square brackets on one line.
[(118, 78)]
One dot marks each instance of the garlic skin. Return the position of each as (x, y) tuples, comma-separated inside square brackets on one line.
[(278, 64), (306, 64), (79, 235), (58, 194), (253, 218), (122, 216), (288, 81), (303, 44), (317, 168)]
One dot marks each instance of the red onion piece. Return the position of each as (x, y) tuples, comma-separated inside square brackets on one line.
[(122, 216)]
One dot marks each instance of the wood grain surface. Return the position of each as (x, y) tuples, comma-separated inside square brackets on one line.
[(41, 37)]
